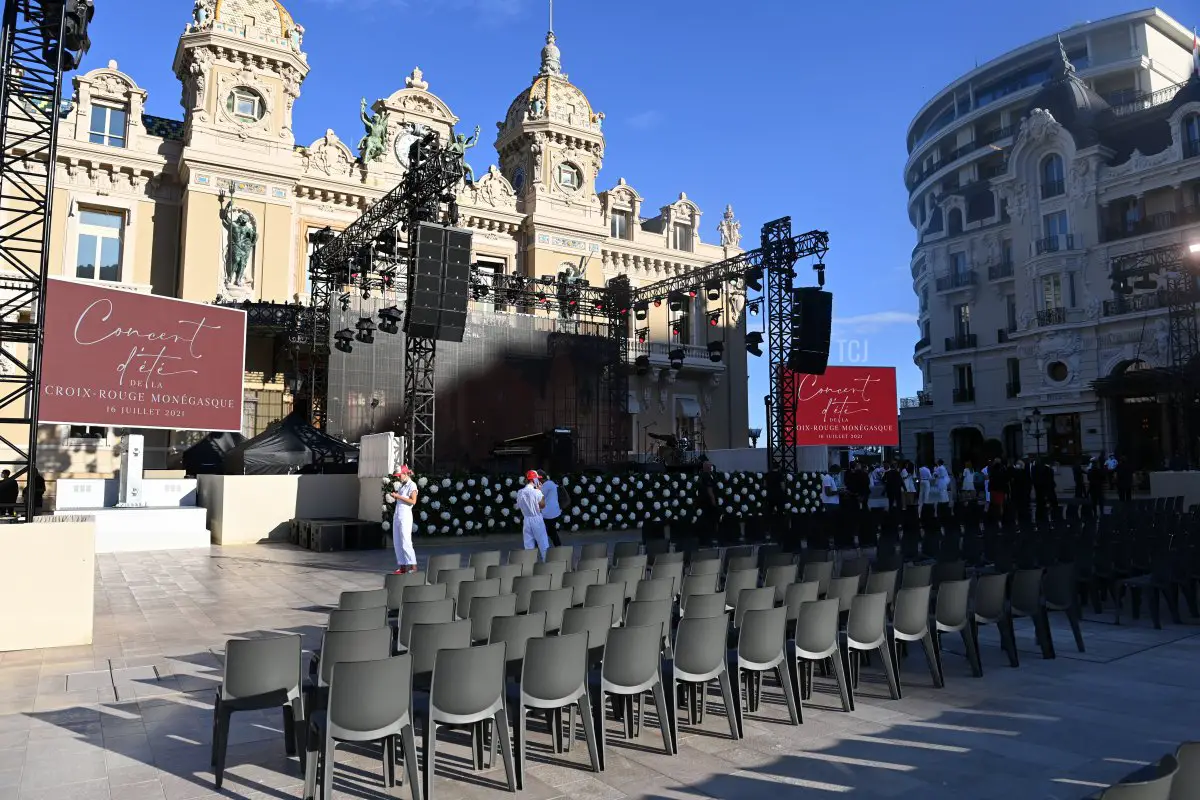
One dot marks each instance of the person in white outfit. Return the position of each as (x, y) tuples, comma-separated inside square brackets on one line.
[(402, 522), (941, 478), (530, 502), (927, 495)]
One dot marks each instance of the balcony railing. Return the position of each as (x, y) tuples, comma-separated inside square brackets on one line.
[(1131, 304), (956, 279), (966, 149), (1003, 335), (693, 355), (1155, 223), (998, 272), (995, 135), (923, 344), (1052, 316), (1053, 189), (964, 395), (1012, 389), (964, 341), (1191, 148), (922, 399), (1145, 100), (1054, 244)]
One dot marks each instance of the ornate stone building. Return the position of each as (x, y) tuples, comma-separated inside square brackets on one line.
[(150, 204), (1028, 178)]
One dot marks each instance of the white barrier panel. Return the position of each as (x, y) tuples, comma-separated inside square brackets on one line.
[(85, 494), (379, 454)]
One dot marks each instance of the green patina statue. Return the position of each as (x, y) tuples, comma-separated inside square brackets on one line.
[(242, 236), (374, 144), (458, 148)]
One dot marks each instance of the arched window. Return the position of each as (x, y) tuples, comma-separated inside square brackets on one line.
[(1191, 136), (1053, 180)]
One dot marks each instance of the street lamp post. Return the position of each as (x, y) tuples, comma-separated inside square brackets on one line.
[(754, 434), (1033, 427)]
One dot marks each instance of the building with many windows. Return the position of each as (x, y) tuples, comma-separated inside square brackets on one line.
[(138, 204), (1027, 177)]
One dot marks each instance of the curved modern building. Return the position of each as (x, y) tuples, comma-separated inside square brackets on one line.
[(1027, 177)]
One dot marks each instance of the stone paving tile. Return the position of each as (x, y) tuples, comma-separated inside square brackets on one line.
[(129, 717)]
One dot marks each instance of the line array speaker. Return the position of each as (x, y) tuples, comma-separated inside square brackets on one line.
[(812, 323), (440, 286)]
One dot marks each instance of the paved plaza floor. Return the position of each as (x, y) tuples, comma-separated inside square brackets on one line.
[(129, 717)]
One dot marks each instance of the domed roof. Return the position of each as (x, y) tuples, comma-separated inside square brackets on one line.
[(269, 16), (1071, 102), (553, 97)]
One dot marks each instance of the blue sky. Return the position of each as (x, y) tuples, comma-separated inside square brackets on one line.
[(780, 107)]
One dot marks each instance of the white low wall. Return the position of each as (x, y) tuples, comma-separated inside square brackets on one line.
[(248, 509), (47, 579), (747, 459), (75, 494)]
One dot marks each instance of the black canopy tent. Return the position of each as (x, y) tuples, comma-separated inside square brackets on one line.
[(289, 446), (207, 456)]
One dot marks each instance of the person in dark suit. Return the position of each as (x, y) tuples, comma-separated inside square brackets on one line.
[(1097, 483), (1124, 479), (35, 479), (1045, 490), (9, 492), (893, 487)]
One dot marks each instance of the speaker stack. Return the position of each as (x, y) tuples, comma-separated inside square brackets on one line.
[(439, 290), (812, 323)]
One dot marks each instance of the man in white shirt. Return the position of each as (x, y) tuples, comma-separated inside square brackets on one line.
[(530, 502), (552, 510), (829, 488)]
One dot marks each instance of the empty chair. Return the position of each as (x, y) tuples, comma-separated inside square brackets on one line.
[(515, 632), (669, 570), (338, 646), (654, 589), (1061, 594), (525, 586), (468, 689), (953, 616), (795, 595), (657, 547), (819, 571), (911, 624), (442, 562), (371, 598), (697, 584), (554, 602), (753, 600), (1025, 600), (578, 582), (843, 590), (1158, 787), (948, 571), (699, 658), (259, 674), (705, 566), (369, 701), (507, 573), (486, 609), (816, 642), (423, 613), (883, 582), (626, 549), (866, 631), (990, 609), (762, 647), (525, 558), (627, 577), (735, 582), (703, 605), (1187, 780), (663, 558), (777, 559), (708, 554), (483, 560), (394, 583), (595, 621), (854, 567), (417, 593), (780, 577), (611, 595), (470, 590), (916, 575), (631, 667), (640, 560), (594, 550), (555, 676), (651, 612), (555, 569), (600, 565), (454, 578), (357, 619), (738, 563), (427, 639)]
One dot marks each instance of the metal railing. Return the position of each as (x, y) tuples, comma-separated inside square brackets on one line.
[(956, 279), (1154, 223), (1146, 100), (1054, 244), (1052, 316), (964, 341), (964, 395), (921, 345), (1003, 335), (998, 272), (1131, 304), (922, 399)]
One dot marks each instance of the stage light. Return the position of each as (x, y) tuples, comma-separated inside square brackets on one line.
[(366, 294), (753, 278), (642, 363), (343, 340), (641, 310), (1194, 248), (714, 318), (541, 297), (344, 299), (753, 307), (676, 359), (481, 291), (389, 320), (715, 351), (366, 330), (658, 302), (713, 290), (675, 330), (675, 301), (642, 335), (547, 280), (754, 341), (691, 292)]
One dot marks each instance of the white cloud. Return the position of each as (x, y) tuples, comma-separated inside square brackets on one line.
[(873, 322), (645, 120)]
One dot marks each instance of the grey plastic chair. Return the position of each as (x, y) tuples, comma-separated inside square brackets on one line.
[(525, 586), (468, 591), (371, 598), (627, 577), (455, 578), (761, 648), (753, 600), (705, 566), (626, 549), (1025, 600), (357, 619), (507, 573), (564, 554), (422, 614), (639, 560), (855, 567), (514, 632), (486, 609), (482, 561), (699, 658), (1186, 784), (555, 676), (600, 565), (952, 615), (631, 667), (670, 557), (883, 582), (525, 558), (430, 638), (424, 593), (739, 563), (914, 575), (866, 631), (593, 550), (555, 569), (442, 562), (911, 624), (703, 605), (1062, 594), (394, 583), (578, 582), (259, 674), (339, 646), (369, 701), (780, 577), (655, 589), (945, 571), (778, 559), (1157, 788), (595, 621), (652, 612), (467, 690), (735, 582), (611, 595), (697, 584), (844, 591), (795, 595), (819, 571), (990, 608), (669, 570), (816, 642), (554, 602)]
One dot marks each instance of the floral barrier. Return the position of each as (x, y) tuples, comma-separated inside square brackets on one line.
[(480, 505)]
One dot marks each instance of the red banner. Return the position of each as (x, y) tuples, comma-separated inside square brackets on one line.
[(845, 407), (130, 360)]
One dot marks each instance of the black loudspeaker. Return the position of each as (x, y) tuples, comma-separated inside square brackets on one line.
[(440, 284), (812, 322)]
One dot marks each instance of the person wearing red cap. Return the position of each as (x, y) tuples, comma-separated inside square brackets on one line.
[(530, 502), (402, 522)]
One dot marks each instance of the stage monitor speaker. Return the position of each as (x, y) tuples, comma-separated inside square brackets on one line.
[(440, 284), (812, 323)]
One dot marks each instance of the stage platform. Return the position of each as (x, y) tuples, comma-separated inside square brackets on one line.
[(133, 530)]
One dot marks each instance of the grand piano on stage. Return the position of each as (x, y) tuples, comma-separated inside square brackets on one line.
[(552, 450)]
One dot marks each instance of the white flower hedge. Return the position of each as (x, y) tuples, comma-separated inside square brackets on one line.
[(471, 506)]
